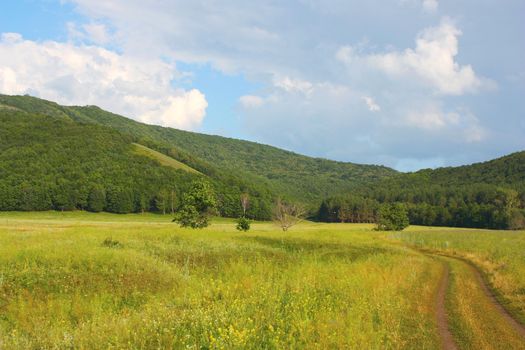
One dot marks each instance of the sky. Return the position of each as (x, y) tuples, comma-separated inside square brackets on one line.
[(409, 84)]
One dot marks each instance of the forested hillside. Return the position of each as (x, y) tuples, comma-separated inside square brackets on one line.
[(287, 174), (56, 163), (484, 195), (56, 157)]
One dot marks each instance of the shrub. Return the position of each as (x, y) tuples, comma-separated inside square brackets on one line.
[(111, 243), (243, 224), (392, 217)]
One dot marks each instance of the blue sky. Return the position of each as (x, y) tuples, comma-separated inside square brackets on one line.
[(404, 83)]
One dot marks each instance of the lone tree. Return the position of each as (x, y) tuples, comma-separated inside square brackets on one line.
[(198, 204), (392, 217), (287, 215), (243, 224)]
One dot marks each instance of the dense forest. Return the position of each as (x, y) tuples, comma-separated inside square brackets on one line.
[(67, 158), (288, 174), (55, 163), (483, 195)]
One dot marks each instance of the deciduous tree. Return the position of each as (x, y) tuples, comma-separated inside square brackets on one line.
[(198, 204), (392, 217), (287, 214)]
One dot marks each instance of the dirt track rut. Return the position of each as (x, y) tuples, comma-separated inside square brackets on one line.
[(447, 340)]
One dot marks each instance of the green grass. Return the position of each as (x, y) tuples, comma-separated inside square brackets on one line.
[(163, 159), (92, 281), (65, 282)]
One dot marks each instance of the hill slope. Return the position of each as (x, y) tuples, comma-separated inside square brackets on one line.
[(287, 174), (59, 157), (163, 159), (485, 195), (48, 163), (507, 170), (54, 162)]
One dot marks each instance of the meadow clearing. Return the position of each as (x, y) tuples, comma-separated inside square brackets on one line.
[(97, 281)]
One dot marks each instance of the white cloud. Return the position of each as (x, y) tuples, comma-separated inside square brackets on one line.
[(460, 123), (432, 119), (431, 62), (251, 101), (372, 105), (185, 111), (11, 38), (294, 85), (80, 74)]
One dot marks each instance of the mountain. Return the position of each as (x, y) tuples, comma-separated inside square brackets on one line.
[(482, 195), (286, 173), (44, 144)]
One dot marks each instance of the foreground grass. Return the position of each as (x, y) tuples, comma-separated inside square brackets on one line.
[(97, 281), (153, 285)]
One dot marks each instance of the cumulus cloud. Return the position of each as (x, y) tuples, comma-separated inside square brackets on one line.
[(432, 61), (289, 119), (81, 74), (339, 117), (185, 111)]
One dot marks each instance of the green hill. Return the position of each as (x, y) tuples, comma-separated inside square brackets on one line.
[(485, 195), (284, 173), (507, 170), (54, 162), (57, 157)]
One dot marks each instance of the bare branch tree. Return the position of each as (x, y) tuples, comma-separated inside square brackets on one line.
[(287, 215), (245, 203)]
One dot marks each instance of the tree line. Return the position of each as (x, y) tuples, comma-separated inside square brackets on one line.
[(475, 206)]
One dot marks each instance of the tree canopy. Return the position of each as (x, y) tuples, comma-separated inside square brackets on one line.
[(198, 204), (392, 217)]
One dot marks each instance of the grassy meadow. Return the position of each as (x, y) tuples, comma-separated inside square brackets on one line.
[(98, 281)]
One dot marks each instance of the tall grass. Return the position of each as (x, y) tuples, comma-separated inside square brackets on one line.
[(77, 280)]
